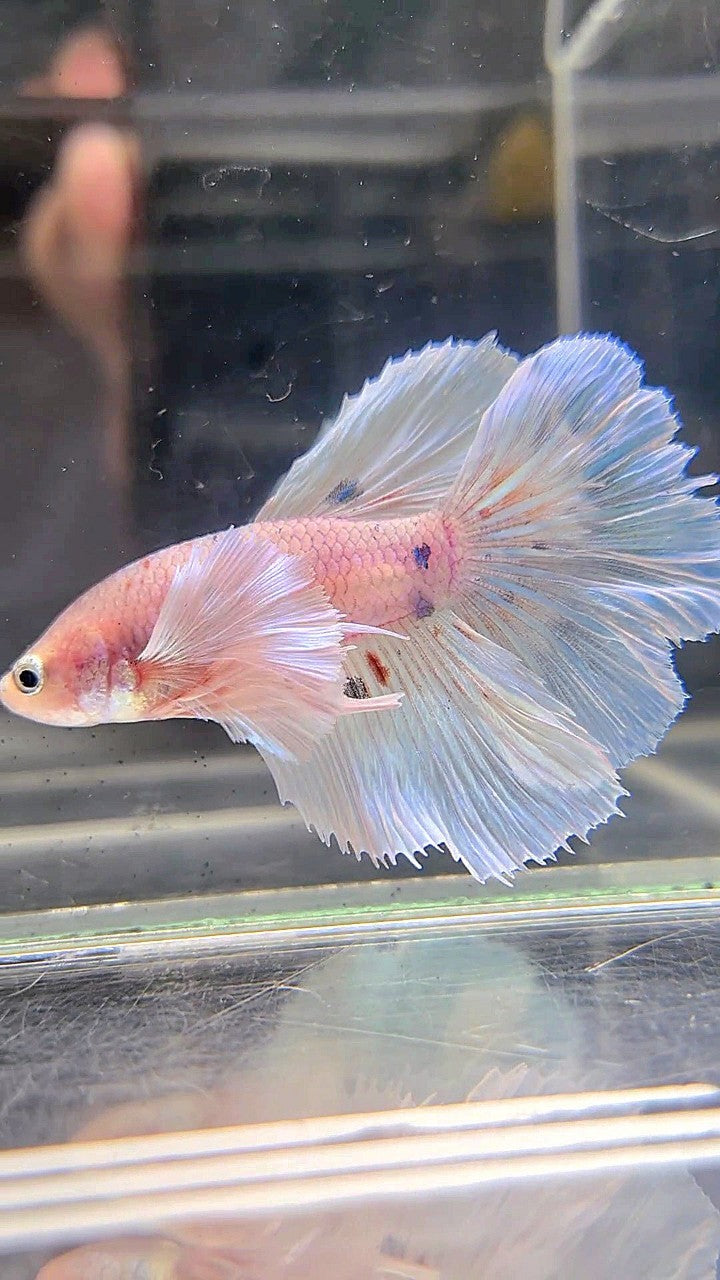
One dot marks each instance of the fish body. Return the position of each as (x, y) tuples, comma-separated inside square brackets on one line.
[(377, 572), (374, 572), (451, 623)]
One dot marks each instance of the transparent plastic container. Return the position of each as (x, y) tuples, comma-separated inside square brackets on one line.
[(226, 1050)]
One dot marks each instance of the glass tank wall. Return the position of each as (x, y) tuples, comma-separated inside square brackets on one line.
[(276, 224), (227, 1051)]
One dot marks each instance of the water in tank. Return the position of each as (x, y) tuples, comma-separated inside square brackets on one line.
[(227, 1050)]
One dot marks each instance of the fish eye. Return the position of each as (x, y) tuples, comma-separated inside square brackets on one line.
[(29, 675)]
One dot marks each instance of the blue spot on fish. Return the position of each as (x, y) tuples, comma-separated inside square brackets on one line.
[(423, 607), (421, 555), (345, 491)]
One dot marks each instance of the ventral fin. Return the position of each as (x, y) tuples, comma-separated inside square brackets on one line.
[(395, 448), (480, 759), (247, 639)]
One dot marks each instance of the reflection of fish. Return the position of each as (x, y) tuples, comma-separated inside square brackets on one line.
[(422, 1020), (449, 624), (131, 1259), (648, 1222)]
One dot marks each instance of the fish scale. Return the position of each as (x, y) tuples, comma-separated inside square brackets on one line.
[(367, 568)]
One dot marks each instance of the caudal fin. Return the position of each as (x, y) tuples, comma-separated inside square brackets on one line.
[(478, 758), (583, 553), (585, 550)]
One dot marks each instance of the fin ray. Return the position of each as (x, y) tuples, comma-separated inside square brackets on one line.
[(395, 448), (247, 639), (588, 551), (478, 759)]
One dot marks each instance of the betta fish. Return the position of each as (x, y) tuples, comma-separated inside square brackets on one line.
[(451, 623)]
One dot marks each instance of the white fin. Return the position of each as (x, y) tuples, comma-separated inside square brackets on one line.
[(587, 551), (245, 638), (395, 449), (478, 758)]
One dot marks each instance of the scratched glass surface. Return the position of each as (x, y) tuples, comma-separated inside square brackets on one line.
[(313, 189), (572, 1006)]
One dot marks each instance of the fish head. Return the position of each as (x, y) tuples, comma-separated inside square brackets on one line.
[(75, 674)]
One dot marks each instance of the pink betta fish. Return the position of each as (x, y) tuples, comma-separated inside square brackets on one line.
[(449, 625)]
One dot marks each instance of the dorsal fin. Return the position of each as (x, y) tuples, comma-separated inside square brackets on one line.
[(396, 447)]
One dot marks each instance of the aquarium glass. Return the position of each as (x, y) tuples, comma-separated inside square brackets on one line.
[(227, 1051)]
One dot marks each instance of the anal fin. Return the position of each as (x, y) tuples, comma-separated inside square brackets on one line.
[(478, 758)]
